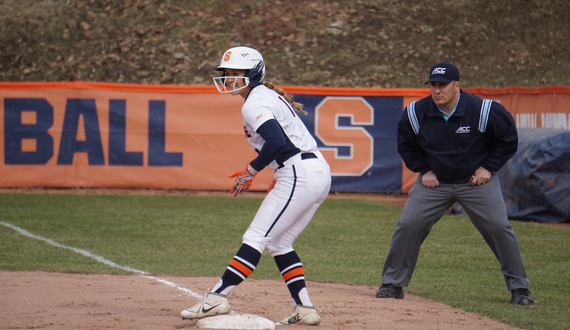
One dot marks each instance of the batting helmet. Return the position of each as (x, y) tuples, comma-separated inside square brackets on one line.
[(242, 58)]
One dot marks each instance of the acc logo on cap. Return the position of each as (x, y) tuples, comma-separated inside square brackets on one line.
[(438, 71)]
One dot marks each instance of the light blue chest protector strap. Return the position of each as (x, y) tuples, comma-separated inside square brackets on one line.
[(483, 116)]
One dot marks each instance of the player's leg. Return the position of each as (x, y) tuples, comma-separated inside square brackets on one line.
[(292, 272), (485, 207), (287, 260), (216, 302), (424, 207), (306, 186), (242, 265), (299, 191), (255, 239)]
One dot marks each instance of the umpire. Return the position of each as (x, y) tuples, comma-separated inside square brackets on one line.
[(457, 142)]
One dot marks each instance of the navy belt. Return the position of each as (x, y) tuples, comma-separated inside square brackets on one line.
[(306, 155)]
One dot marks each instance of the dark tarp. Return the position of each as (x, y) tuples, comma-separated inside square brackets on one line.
[(536, 180)]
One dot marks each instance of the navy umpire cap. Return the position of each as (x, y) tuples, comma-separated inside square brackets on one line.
[(443, 72)]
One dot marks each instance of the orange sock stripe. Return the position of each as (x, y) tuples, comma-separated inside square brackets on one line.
[(241, 267), (292, 273)]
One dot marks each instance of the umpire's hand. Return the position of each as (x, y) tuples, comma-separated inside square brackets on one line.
[(480, 176), (429, 179)]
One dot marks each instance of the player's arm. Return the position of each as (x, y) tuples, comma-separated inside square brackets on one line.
[(272, 133), (274, 143)]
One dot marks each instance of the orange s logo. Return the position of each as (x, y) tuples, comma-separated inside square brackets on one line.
[(360, 142), (227, 56)]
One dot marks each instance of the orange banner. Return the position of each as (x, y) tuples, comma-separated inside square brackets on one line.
[(107, 135), (128, 136), (544, 107)]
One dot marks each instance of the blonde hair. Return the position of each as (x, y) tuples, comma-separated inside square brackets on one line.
[(298, 106)]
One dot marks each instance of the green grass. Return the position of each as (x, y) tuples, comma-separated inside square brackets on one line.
[(346, 242)]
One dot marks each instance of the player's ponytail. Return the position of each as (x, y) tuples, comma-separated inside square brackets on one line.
[(298, 106)]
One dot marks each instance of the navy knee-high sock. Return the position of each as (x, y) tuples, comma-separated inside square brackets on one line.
[(291, 269), (241, 266)]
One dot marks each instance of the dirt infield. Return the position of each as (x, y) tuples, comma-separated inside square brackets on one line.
[(39, 300)]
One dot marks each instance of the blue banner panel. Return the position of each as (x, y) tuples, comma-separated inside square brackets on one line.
[(357, 136)]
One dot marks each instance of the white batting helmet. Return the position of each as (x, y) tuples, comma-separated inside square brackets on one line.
[(241, 58)]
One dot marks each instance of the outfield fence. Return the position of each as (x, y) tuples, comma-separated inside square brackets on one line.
[(109, 135)]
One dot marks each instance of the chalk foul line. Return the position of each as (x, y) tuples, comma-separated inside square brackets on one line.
[(101, 259)]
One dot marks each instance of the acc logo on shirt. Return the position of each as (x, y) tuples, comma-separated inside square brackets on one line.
[(463, 129)]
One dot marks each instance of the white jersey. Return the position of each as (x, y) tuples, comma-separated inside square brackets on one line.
[(263, 104)]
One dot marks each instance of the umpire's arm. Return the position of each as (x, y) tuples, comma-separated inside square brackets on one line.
[(502, 134), (408, 147)]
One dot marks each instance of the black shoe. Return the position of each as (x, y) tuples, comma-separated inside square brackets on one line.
[(390, 291), (521, 297)]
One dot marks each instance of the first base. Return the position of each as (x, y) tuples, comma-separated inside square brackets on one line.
[(235, 320)]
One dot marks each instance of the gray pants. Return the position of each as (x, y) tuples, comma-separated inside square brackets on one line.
[(425, 206)]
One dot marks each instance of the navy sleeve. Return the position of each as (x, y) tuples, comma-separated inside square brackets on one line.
[(408, 148), (502, 132), (271, 132)]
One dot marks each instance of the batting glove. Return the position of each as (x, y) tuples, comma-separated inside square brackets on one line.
[(244, 178)]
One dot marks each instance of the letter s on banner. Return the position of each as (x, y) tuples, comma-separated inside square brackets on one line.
[(333, 136)]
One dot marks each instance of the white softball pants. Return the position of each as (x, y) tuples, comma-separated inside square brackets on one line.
[(302, 186)]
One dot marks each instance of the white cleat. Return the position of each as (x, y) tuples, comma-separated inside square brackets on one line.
[(212, 304), (302, 315)]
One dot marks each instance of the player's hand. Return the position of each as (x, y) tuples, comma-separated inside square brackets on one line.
[(480, 176), (272, 185), (244, 178), (430, 180)]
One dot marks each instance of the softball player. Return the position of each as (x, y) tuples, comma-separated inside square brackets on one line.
[(301, 183)]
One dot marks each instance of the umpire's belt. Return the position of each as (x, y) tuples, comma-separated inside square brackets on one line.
[(293, 159)]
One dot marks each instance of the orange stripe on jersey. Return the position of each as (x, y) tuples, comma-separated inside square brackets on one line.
[(292, 273), (241, 267)]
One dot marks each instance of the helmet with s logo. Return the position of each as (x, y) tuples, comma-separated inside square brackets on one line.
[(240, 58)]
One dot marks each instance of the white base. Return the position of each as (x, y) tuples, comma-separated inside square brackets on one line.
[(234, 320)]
